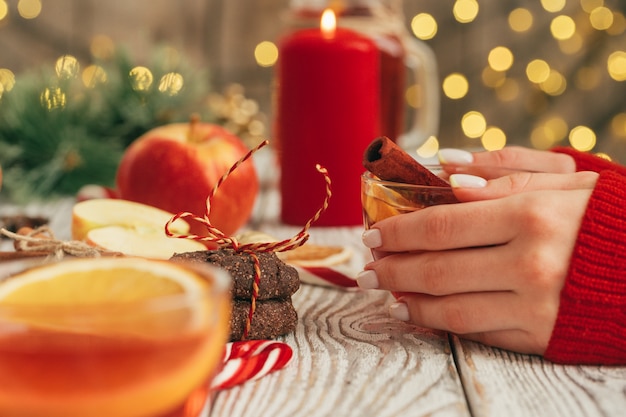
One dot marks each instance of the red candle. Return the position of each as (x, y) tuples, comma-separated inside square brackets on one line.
[(328, 111)]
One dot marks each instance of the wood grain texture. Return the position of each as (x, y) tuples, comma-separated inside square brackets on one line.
[(351, 359), (503, 383)]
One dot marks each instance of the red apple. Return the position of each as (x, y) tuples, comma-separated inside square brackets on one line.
[(174, 167)]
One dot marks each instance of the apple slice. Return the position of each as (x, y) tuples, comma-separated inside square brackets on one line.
[(130, 228)]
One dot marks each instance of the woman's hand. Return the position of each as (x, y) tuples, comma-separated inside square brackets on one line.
[(490, 268)]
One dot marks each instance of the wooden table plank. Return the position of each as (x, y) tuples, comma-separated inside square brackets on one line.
[(351, 359), (502, 383)]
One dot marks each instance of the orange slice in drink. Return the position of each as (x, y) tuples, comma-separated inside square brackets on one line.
[(123, 337)]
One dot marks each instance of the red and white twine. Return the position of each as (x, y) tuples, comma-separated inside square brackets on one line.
[(215, 236)]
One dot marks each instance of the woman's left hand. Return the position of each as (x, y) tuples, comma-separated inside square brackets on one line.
[(491, 268)]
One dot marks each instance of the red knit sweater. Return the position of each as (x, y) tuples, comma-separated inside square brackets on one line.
[(591, 323)]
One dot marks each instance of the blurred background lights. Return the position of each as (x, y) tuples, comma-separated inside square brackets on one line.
[(67, 67), (473, 124), (582, 138), (7, 79), (4, 9), (520, 20), (619, 24), (266, 54), (493, 139), (589, 5), (508, 90), (93, 75), (555, 84), (492, 78), (171, 83), (548, 133), (562, 27), (601, 18), (455, 86), (29, 9), (141, 78), (424, 26), (537, 71), (429, 148), (413, 96), (571, 45), (465, 11), (553, 6), (500, 58), (102, 47), (616, 65), (618, 125)]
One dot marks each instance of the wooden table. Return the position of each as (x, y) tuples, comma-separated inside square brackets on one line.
[(351, 359)]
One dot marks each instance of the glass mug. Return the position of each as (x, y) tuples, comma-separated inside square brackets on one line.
[(383, 21), (150, 357)]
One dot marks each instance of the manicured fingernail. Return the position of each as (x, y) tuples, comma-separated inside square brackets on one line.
[(372, 238), (455, 156), (367, 280), (399, 311), (467, 181)]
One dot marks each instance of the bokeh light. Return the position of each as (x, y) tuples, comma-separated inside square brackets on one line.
[(141, 78), (473, 124), (455, 86), (67, 67), (171, 83), (553, 6), (500, 58), (589, 5), (266, 54), (618, 125), (509, 90), (520, 20), (562, 27), (548, 132), (616, 65), (429, 148), (601, 18), (29, 9), (53, 98), (465, 11), (492, 78), (424, 26), (571, 45), (7, 79), (537, 71), (555, 84), (413, 96), (582, 138), (4, 9), (102, 47), (493, 139), (94, 75)]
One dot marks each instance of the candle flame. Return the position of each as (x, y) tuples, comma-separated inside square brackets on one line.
[(328, 23)]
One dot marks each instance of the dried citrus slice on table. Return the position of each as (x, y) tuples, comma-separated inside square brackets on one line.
[(120, 337)]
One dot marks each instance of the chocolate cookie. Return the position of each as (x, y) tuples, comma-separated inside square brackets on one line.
[(272, 318), (278, 280)]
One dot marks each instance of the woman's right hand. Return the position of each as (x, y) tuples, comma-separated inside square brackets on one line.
[(494, 164)]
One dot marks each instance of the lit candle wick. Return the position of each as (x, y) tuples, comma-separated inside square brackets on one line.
[(328, 25)]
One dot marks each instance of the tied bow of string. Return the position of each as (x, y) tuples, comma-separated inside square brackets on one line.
[(216, 236)]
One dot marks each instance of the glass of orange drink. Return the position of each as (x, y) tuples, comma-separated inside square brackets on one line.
[(110, 337)]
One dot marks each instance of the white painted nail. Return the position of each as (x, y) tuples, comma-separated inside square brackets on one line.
[(372, 238), (367, 280), (399, 311), (467, 181), (455, 156)]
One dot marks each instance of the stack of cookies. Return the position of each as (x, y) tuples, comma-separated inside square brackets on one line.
[(274, 314)]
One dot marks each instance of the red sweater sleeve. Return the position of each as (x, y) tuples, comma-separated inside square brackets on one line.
[(591, 323)]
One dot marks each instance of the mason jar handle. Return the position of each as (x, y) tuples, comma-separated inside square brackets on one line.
[(421, 60)]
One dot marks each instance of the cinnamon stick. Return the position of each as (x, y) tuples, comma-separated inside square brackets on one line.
[(389, 162)]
